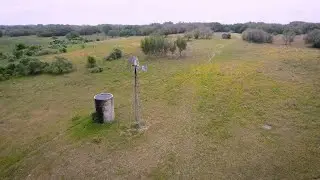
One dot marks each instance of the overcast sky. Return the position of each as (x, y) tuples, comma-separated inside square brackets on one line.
[(148, 11)]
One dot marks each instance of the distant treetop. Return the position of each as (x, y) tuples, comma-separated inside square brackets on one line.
[(166, 28)]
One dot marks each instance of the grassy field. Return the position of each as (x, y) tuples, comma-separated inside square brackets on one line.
[(8, 43), (205, 112)]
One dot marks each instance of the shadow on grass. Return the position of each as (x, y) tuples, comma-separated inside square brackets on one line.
[(85, 127)]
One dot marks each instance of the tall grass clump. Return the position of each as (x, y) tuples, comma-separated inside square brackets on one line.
[(257, 36)]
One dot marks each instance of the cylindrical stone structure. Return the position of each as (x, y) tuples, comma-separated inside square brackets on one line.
[(104, 105)]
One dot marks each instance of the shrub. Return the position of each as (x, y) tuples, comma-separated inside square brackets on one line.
[(181, 44), (313, 38), (32, 50), (91, 62), (20, 46), (188, 35), (63, 50), (172, 47), (72, 35), (226, 36), (155, 45), (11, 58), (257, 36), (97, 39), (113, 33), (95, 69), (288, 36), (46, 52), (205, 33), (10, 69), (31, 66), (60, 65), (196, 33), (17, 53), (1, 33), (3, 56), (115, 54)]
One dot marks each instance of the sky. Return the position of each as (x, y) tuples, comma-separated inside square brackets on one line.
[(94, 12)]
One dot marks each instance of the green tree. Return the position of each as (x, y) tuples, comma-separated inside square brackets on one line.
[(106, 28), (113, 33), (288, 37), (188, 35), (196, 34), (313, 38), (72, 35), (181, 44), (172, 47)]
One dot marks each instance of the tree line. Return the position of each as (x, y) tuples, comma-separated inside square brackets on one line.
[(166, 28)]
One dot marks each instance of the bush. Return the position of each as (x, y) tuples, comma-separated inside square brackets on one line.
[(60, 65), (115, 54), (91, 62), (181, 44), (155, 45), (257, 36), (205, 33), (20, 46), (30, 66), (196, 33), (63, 50), (95, 69), (313, 38), (172, 47), (3, 56), (113, 33), (226, 36), (288, 36), (32, 50), (1, 33), (188, 35), (46, 52), (26, 66), (72, 35), (97, 39)]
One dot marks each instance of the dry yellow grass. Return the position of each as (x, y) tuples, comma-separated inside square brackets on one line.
[(205, 115)]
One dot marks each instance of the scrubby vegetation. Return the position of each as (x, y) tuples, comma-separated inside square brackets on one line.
[(154, 45), (27, 66), (226, 36), (288, 37), (313, 38), (188, 35), (181, 44), (92, 65), (160, 46), (72, 35), (60, 65), (115, 54), (257, 36), (165, 29)]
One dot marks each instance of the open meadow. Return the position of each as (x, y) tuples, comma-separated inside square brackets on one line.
[(226, 109)]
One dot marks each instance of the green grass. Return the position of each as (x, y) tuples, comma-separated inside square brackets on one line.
[(204, 112)]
